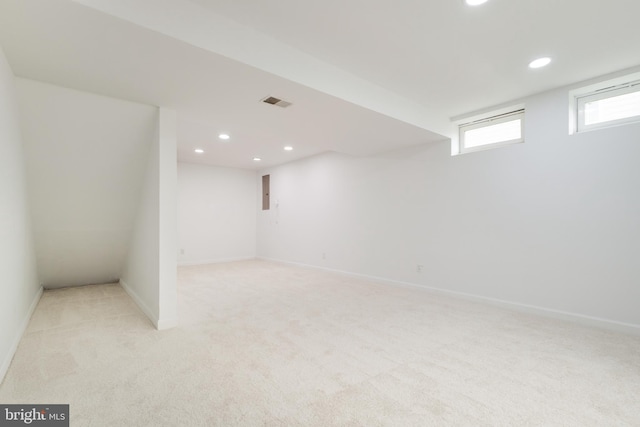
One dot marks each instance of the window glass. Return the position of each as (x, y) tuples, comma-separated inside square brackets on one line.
[(613, 108), (501, 132), (492, 131)]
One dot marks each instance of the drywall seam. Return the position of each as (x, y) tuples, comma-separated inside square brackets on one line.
[(145, 309), (19, 333), (582, 319)]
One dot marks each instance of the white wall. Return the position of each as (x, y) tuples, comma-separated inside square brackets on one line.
[(149, 272), (216, 214), (85, 157), (19, 286), (168, 231), (553, 223)]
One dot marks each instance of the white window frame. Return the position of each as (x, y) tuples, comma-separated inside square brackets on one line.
[(578, 98), (492, 119)]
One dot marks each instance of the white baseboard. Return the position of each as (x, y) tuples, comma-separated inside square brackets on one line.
[(214, 261), (160, 324), (6, 362), (145, 309), (167, 324), (598, 322)]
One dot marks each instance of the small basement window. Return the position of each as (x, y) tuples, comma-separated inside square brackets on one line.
[(491, 132), (607, 106)]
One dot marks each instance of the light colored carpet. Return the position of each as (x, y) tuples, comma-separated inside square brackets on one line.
[(262, 343)]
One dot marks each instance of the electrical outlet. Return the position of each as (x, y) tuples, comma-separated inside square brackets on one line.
[(324, 255), (419, 268), (181, 251)]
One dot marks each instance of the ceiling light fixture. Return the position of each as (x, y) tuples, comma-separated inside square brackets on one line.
[(224, 136), (288, 148), (540, 62), (256, 159), (199, 150), (475, 2)]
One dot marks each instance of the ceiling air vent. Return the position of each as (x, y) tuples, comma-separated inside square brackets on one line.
[(276, 101)]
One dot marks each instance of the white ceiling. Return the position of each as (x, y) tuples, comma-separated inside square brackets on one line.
[(445, 53), (363, 76)]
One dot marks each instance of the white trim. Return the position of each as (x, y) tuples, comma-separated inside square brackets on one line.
[(582, 319), (18, 336), (167, 324), (582, 100), (611, 86), (215, 261), (488, 112), (602, 84), (145, 309), (494, 118), (160, 324)]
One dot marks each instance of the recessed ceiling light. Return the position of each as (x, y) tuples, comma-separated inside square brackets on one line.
[(256, 159), (199, 150), (288, 148), (475, 2), (224, 136), (540, 62)]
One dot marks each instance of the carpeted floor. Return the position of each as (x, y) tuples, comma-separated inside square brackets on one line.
[(264, 344)]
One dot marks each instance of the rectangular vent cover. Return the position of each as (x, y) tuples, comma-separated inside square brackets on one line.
[(276, 101)]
